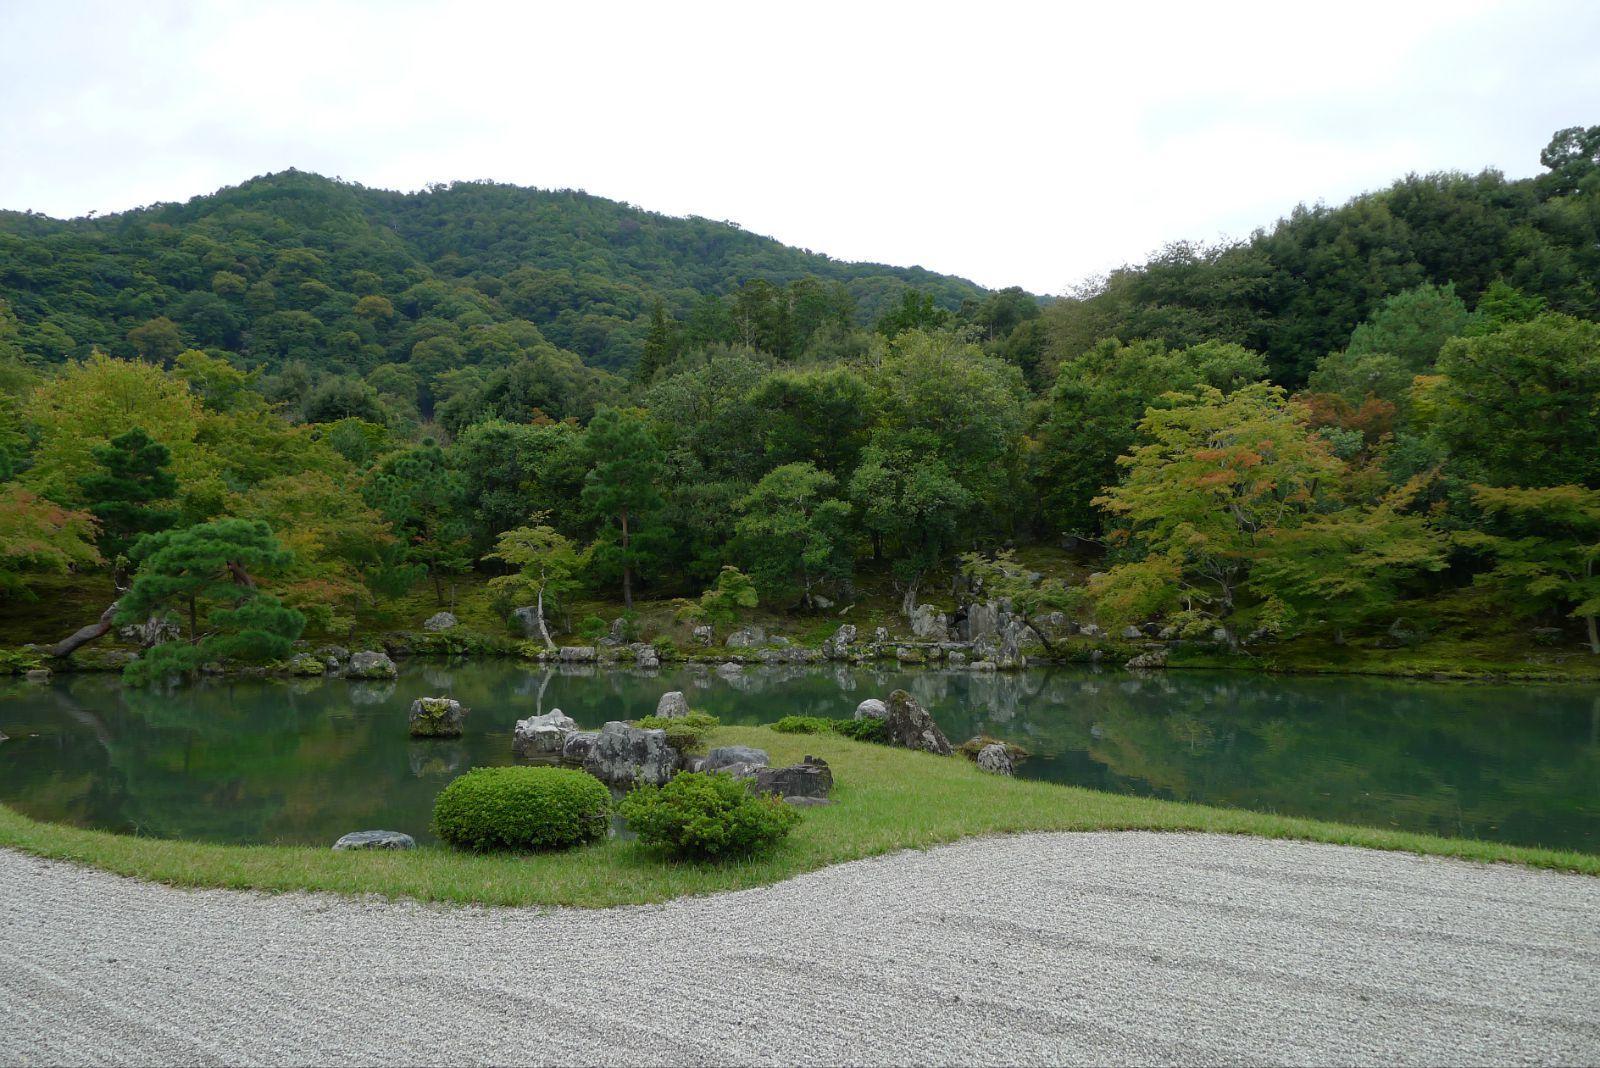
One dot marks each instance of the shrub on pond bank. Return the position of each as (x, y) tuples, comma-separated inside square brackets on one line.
[(684, 733), (707, 817), (870, 729), (522, 808)]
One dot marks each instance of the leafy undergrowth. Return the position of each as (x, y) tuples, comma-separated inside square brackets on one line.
[(887, 799)]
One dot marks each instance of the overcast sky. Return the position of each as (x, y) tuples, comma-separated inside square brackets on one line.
[(1029, 144)]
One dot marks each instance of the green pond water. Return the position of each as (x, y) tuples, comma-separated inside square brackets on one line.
[(305, 761)]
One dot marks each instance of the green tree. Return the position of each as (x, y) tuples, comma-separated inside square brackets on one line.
[(793, 531), (1549, 555), (733, 593), (131, 493), (419, 493), (1518, 405), (193, 568), (547, 566), (917, 310), (661, 344), (911, 505), (37, 535), (622, 491)]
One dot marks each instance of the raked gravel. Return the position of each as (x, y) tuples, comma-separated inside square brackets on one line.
[(1044, 949)]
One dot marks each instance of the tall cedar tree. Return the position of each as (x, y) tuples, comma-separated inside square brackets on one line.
[(622, 488), (128, 493)]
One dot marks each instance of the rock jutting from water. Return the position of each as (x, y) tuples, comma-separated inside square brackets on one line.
[(672, 705), (437, 717), (624, 755), (544, 735)]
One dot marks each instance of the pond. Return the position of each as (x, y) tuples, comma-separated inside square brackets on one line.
[(307, 760)]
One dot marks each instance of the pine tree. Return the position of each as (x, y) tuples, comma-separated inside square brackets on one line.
[(660, 345), (127, 491)]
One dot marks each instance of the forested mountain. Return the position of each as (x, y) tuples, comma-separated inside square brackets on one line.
[(1372, 422), (296, 267)]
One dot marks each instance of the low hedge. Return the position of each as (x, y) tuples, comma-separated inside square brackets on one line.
[(522, 808), (684, 733), (866, 729), (707, 817)]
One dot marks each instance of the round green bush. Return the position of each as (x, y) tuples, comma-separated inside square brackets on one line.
[(522, 808), (707, 817), (684, 733)]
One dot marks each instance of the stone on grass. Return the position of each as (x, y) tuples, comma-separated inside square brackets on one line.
[(726, 755), (437, 717), (624, 755), (439, 621), (994, 758), (809, 778), (910, 726), (370, 665), (871, 708), (672, 705), (575, 745), (544, 735), (375, 840)]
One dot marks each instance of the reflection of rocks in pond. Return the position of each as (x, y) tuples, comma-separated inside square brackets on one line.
[(584, 671), (438, 680), (301, 686), (844, 678), (930, 688), (371, 693), (436, 759)]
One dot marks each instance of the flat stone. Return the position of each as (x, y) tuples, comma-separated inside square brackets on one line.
[(725, 755), (809, 778), (375, 840)]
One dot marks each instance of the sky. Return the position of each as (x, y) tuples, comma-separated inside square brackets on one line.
[(1014, 144)]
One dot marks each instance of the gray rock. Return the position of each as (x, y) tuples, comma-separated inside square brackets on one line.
[(39, 674), (308, 665), (983, 619), (838, 646), (4, 737), (624, 755), (880, 635), (956, 658), (527, 620), (647, 658), (928, 622), (703, 635), (730, 670), (370, 665), (727, 755), (1132, 633), (981, 666), (575, 746), (871, 707), (740, 770), (672, 705), (437, 717), (439, 621), (618, 634), (1091, 630), (375, 840), (746, 638), (1155, 658), (544, 735), (911, 726), (994, 758), (577, 654), (809, 778)]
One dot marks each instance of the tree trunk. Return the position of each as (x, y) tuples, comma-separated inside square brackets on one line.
[(627, 566), (85, 635), (543, 630), (194, 619), (438, 587), (1594, 637), (908, 603)]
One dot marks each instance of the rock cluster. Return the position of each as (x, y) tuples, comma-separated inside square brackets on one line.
[(544, 735)]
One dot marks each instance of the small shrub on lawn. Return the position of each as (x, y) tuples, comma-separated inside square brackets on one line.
[(869, 729), (522, 808), (707, 817), (684, 733)]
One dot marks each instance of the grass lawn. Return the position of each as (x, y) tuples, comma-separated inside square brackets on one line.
[(886, 800)]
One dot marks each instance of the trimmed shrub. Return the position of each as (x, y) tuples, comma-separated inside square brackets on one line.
[(975, 745), (707, 817), (522, 808), (684, 733), (870, 729)]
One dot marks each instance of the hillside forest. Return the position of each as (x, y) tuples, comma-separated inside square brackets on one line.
[(268, 411)]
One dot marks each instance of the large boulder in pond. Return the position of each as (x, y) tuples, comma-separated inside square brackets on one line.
[(375, 840), (370, 665), (725, 756), (673, 705), (437, 717), (575, 746), (625, 755), (439, 621), (910, 726), (544, 735), (809, 778)]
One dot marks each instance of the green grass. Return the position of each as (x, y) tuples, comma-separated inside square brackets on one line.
[(887, 799)]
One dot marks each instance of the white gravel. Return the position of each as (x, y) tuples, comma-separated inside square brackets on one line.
[(1046, 949)]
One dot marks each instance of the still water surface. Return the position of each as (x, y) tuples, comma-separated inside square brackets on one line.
[(305, 761)]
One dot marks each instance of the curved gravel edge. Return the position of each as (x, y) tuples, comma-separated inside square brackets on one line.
[(1122, 947)]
